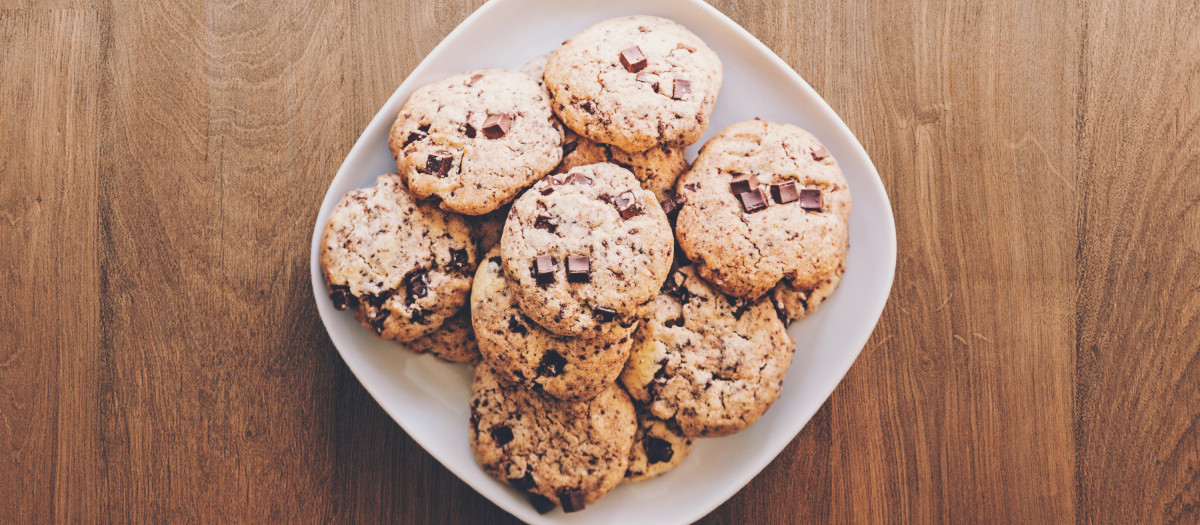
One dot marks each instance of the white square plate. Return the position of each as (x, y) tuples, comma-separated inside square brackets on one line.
[(429, 398)]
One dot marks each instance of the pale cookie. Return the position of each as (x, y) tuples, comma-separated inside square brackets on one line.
[(404, 267), (796, 302), (656, 168), (476, 139), (765, 202), (454, 341), (635, 82), (587, 251), (569, 453), (658, 447), (524, 353), (711, 362)]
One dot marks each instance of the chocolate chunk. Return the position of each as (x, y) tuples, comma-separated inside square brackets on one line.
[(377, 301), (588, 106), (672, 204), (785, 193), (811, 199), (543, 223), (414, 136), (579, 269), (740, 306), (376, 321), (525, 482), (743, 183), (497, 125), (474, 78), (515, 326), (423, 128), (420, 315), (820, 153), (753, 201), (648, 78), (572, 500), (541, 503), (682, 88), (552, 364), (692, 187), (468, 130), (495, 260), (417, 283), (502, 435), (674, 323), (458, 259), (657, 450), (438, 163), (605, 314), (569, 147), (578, 178), (342, 298), (627, 205), (543, 268), (633, 59)]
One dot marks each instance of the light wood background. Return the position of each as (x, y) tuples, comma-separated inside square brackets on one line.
[(161, 165)]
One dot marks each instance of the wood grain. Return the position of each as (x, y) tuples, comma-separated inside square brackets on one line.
[(160, 357)]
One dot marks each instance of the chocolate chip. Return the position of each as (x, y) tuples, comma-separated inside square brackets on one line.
[(458, 259), (648, 78), (420, 315), (820, 153), (692, 187), (627, 205), (541, 503), (376, 321), (552, 364), (669, 206), (468, 130), (423, 128), (753, 201), (497, 125), (811, 199), (543, 223), (657, 450), (543, 268), (525, 482), (377, 301), (633, 59), (743, 183), (673, 323), (342, 298), (578, 178), (438, 163), (569, 147), (495, 260), (785, 193), (414, 136), (579, 269), (417, 284), (681, 89), (474, 78), (572, 500), (740, 306), (605, 314), (515, 326), (588, 106), (502, 435)]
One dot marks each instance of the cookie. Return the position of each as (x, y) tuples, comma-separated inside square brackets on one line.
[(558, 452), (658, 446), (488, 229), (586, 251), (656, 168), (476, 139), (403, 266), (795, 302), (522, 352), (454, 341), (536, 68), (765, 202), (711, 362), (635, 82)]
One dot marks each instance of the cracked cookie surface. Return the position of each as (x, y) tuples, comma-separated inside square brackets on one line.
[(711, 362), (619, 234), (403, 266), (454, 341), (569, 453), (662, 93), (749, 234), (476, 139), (522, 352), (658, 447)]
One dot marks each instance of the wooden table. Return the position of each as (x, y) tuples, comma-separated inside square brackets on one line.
[(161, 164)]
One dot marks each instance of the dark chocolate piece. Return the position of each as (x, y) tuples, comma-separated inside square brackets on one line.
[(420, 315), (458, 259), (378, 300), (552, 364), (497, 125), (627, 205), (657, 450), (692, 187), (414, 136), (605, 314), (811, 200), (541, 503), (569, 147), (672, 204), (753, 201), (579, 269), (524, 483), (682, 89), (423, 128), (572, 500), (543, 268), (438, 163), (820, 153), (785, 193), (468, 130), (376, 321), (743, 183), (543, 223), (417, 284), (578, 178), (342, 298), (515, 326), (502, 435), (633, 59)]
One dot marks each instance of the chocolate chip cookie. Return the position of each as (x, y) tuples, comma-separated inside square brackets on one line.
[(658, 446), (522, 352), (587, 251), (765, 203), (403, 266), (557, 452), (656, 168), (635, 82), (711, 362), (795, 302), (476, 139), (454, 341)]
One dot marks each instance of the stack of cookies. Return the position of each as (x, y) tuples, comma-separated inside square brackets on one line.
[(616, 301)]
